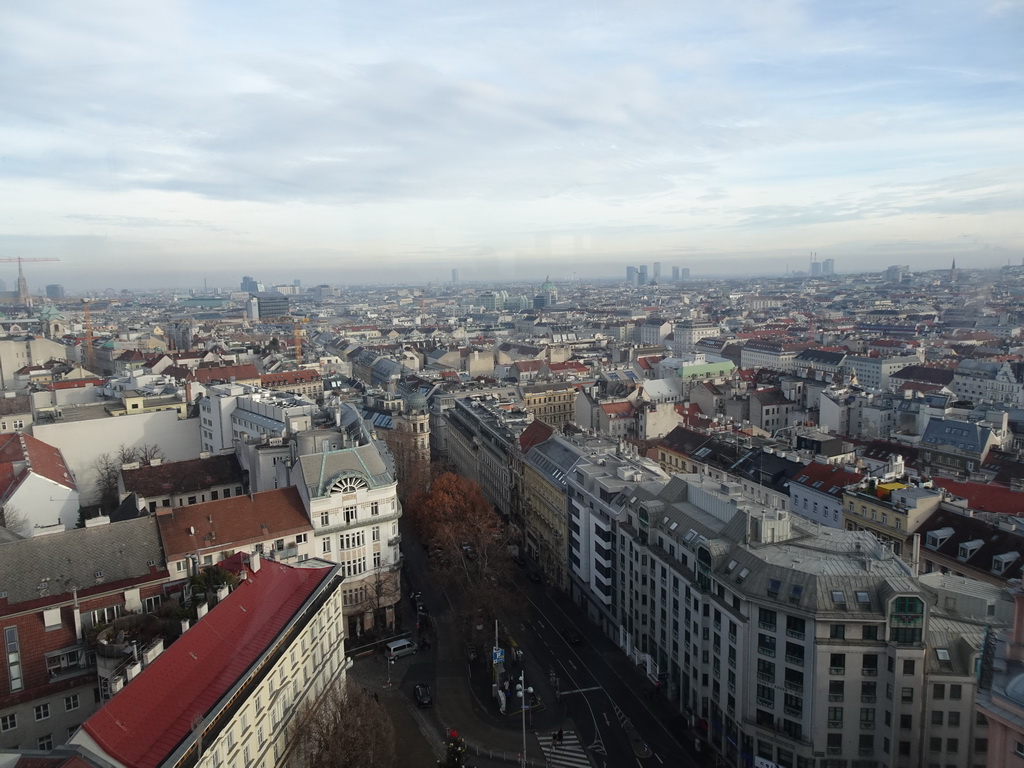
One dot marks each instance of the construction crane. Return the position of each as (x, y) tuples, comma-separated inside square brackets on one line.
[(23, 295)]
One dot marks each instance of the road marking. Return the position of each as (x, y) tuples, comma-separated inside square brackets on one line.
[(571, 664), (659, 758), (607, 720), (569, 753)]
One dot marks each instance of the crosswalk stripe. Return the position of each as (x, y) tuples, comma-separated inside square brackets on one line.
[(570, 753)]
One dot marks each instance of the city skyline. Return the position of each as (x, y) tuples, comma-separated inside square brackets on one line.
[(168, 145)]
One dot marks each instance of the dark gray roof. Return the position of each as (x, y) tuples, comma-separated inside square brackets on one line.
[(962, 435), (53, 564)]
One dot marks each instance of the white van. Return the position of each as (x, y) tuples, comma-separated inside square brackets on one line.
[(398, 648)]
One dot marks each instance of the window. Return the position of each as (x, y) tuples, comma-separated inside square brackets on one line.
[(839, 598), (45, 743), (325, 518), (8, 723), (837, 631), (937, 717), (908, 666), (955, 691), (376, 559), (935, 744), (42, 712), (835, 717), (374, 508), (71, 703), (301, 538), (870, 632), (906, 722), (375, 533), (350, 514), (939, 691), (953, 720), (837, 664), (907, 694), (13, 658), (326, 544), (836, 689), (953, 745), (904, 748)]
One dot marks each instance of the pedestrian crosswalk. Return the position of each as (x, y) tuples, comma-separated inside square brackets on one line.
[(569, 753)]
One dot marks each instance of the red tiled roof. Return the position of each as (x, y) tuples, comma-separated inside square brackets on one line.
[(985, 497), (148, 720), (226, 373), (42, 459), (534, 434), (826, 478), (304, 376), (238, 520), (527, 365), (617, 410), (76, 383), (183, 476)]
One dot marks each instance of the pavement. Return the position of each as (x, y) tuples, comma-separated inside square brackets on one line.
[(462, 694)]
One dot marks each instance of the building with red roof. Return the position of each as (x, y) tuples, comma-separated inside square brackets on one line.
[(302, 382), (231, 685), (36, 485)]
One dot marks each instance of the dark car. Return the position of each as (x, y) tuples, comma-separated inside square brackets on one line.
[(572, 637), (421, 693)]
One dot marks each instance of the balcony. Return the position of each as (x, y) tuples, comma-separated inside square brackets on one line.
[(798, 660), (765, 679), (866, 725), (394, 541), (796, 634), (835, 723), (762, 702), (869, 671), (868, 699), (866, 752), (767, 625), (836, 697), (793, 711), (794, 687), (837, 670), (765, 650), (285, 553)]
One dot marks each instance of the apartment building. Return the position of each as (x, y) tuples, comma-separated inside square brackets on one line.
[(816, 493), (231, 412), (55, 590), (226, 692), (889, 510), (350, 496), (161, 484), (786, 642)]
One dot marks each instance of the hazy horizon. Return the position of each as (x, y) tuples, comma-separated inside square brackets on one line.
[(149, 144)]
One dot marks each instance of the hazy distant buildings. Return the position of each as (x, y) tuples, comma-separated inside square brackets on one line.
[(631, 275), (263, 306), (657, 270), (675, 274), (641, 274), (896, 273), (55, 291), (815, 269), (828, 267), (455, 277), (684, 273), (251, 285)]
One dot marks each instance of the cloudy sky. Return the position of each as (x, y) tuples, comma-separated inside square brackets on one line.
[(164, 143)]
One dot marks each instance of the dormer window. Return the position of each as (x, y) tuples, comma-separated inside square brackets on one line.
[(1001, 563), (935, 539), (968, 548)]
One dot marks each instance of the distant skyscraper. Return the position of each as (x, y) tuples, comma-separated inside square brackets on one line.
[(684, 273), (675, 274), (657, 270), (250, 285), (896, 273), (815, 269), (828, 267), (297, 283), (642, 274), (455, 277), (631, 275), (55, 291)]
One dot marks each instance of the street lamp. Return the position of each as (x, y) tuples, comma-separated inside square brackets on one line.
[(523, 693)]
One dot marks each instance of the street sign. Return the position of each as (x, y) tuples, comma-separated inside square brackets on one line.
[(497, 655)]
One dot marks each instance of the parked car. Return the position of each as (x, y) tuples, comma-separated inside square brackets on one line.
[(421, 692)]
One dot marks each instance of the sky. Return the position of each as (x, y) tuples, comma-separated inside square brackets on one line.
[(170, 143)]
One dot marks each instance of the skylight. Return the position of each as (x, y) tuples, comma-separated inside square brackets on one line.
[(863, 598), (839, 597), (731, 566), (774, 585)]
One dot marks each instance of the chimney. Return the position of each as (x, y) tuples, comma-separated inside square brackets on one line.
[(254, 562)]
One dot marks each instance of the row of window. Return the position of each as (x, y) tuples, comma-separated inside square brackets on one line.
[(41, 712)]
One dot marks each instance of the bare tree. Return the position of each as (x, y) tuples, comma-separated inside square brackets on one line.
[(382, 590), (106, 470), (344, 727), (14, 520), (147, 452), (126, 454)]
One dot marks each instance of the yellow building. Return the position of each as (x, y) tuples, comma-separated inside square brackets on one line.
[(889, 510), (553, 403), (545, 467)]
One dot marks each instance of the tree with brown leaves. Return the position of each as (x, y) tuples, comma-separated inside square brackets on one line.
[(345, 727)]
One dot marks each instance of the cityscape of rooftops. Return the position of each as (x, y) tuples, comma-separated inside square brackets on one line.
[(551, 385)]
